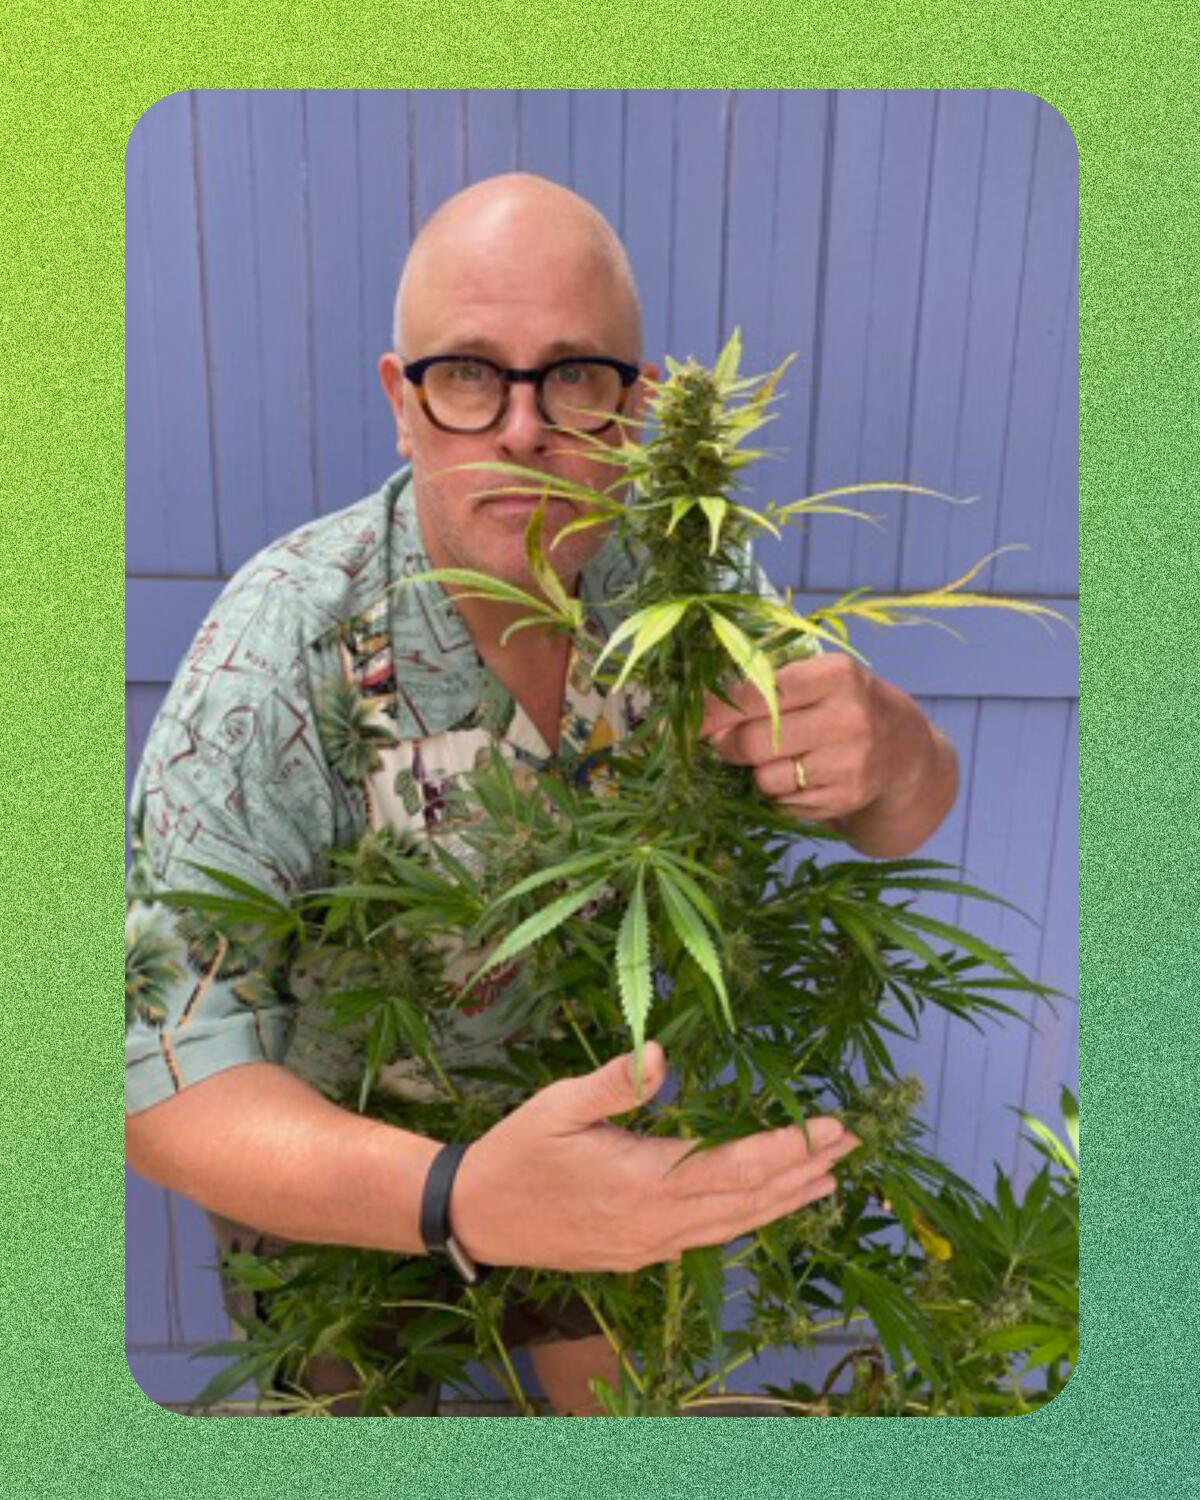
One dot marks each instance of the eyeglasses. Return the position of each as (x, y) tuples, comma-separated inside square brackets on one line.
[(463, 393)]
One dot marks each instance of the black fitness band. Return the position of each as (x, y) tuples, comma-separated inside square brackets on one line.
[(435, 1210)]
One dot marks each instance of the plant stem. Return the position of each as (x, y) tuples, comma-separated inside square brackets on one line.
[(626, 1363), (579, 1036), (807, 1407), (672, 1323), (511, 1378), (750, 1354)]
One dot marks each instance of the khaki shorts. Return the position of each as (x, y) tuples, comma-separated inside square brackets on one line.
[(525, 1324)]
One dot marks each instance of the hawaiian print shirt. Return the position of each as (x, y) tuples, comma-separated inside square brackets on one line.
[(243, 771)]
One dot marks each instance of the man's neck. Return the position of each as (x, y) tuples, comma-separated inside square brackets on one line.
[(531, 664)]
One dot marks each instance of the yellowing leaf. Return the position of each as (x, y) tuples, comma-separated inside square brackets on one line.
[(750, 661), (933, 1243), (714, 507), (729, 358)]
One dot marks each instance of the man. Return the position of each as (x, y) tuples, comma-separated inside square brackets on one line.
[(318, 701)]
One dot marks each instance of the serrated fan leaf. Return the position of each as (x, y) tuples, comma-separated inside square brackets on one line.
[(750, 661), (566, 870), (242, 887), (539, 925), (543, 574), (714, 507), (695, 893), (692, 933), (553, 485), (679, 508), (633, 970), (483, 586), (582, 524), (729, 358), (809, 502), (785, 618), (647, 627), (1050, 1143)]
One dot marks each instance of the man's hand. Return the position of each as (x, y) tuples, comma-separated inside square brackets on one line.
[(873, 765), (554, 1185)]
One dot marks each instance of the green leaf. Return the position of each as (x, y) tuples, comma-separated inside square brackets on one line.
[(693, 934), (704, 1270), (539, 925), (484, 586), (544, 575), (647, 627), (252, 1366), (750, 661), (695, 893), (965, 940), (633, 970), (729, 358), (714, 507), (240, 887), (1069, 1105), (1050, 1143), (567, 870)]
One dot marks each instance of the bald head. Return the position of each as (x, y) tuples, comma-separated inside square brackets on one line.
[(521, 238)]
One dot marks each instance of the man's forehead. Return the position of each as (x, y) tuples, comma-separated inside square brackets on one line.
[(465, 338), (518, 259)]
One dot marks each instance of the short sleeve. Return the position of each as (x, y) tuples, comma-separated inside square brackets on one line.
[(233, 778)]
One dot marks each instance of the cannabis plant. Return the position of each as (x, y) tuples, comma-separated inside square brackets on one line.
[(659, 892)]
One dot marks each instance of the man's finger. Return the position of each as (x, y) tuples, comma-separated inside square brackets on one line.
[(799, 685), (747, 1165)]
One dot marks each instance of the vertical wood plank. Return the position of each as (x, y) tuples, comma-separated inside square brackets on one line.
[(935, 461), (1042, 354), (170, 518), (877, 238), (1008, 149), (1015, 789), (385, 167), (544, 133), (335, 248), (203, 1318), (702, 127), (647, 211), (795, 281), (286, 398), (233, 282), (438, 137), (748, 286), (958, 719), (1055, 556), (147, 1263), (597, 139), (1052, 1056), (491, 132)]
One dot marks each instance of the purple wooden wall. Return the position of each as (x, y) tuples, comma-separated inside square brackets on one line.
[(917, 249)]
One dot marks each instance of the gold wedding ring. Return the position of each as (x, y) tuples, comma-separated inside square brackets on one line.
[(801, 774)]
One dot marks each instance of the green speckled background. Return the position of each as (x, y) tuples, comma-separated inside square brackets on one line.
[(72, 1422)]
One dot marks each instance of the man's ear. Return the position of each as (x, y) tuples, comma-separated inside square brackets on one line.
[(395, 388)]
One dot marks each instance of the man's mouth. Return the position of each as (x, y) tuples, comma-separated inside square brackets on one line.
[(516, 502)]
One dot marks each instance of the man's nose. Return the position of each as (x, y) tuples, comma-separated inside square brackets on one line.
[(522, 431)]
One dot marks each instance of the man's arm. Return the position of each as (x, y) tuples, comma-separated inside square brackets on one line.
[(553, 1185)]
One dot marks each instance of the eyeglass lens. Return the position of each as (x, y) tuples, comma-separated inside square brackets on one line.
[(469, 394)]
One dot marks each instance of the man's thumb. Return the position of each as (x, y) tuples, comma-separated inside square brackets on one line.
[(611, 1090)]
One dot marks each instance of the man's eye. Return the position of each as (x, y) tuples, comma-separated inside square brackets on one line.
[(571, 374), (468, 374)]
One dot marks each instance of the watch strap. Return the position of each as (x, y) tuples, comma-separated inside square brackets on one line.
[(435, 1210)]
